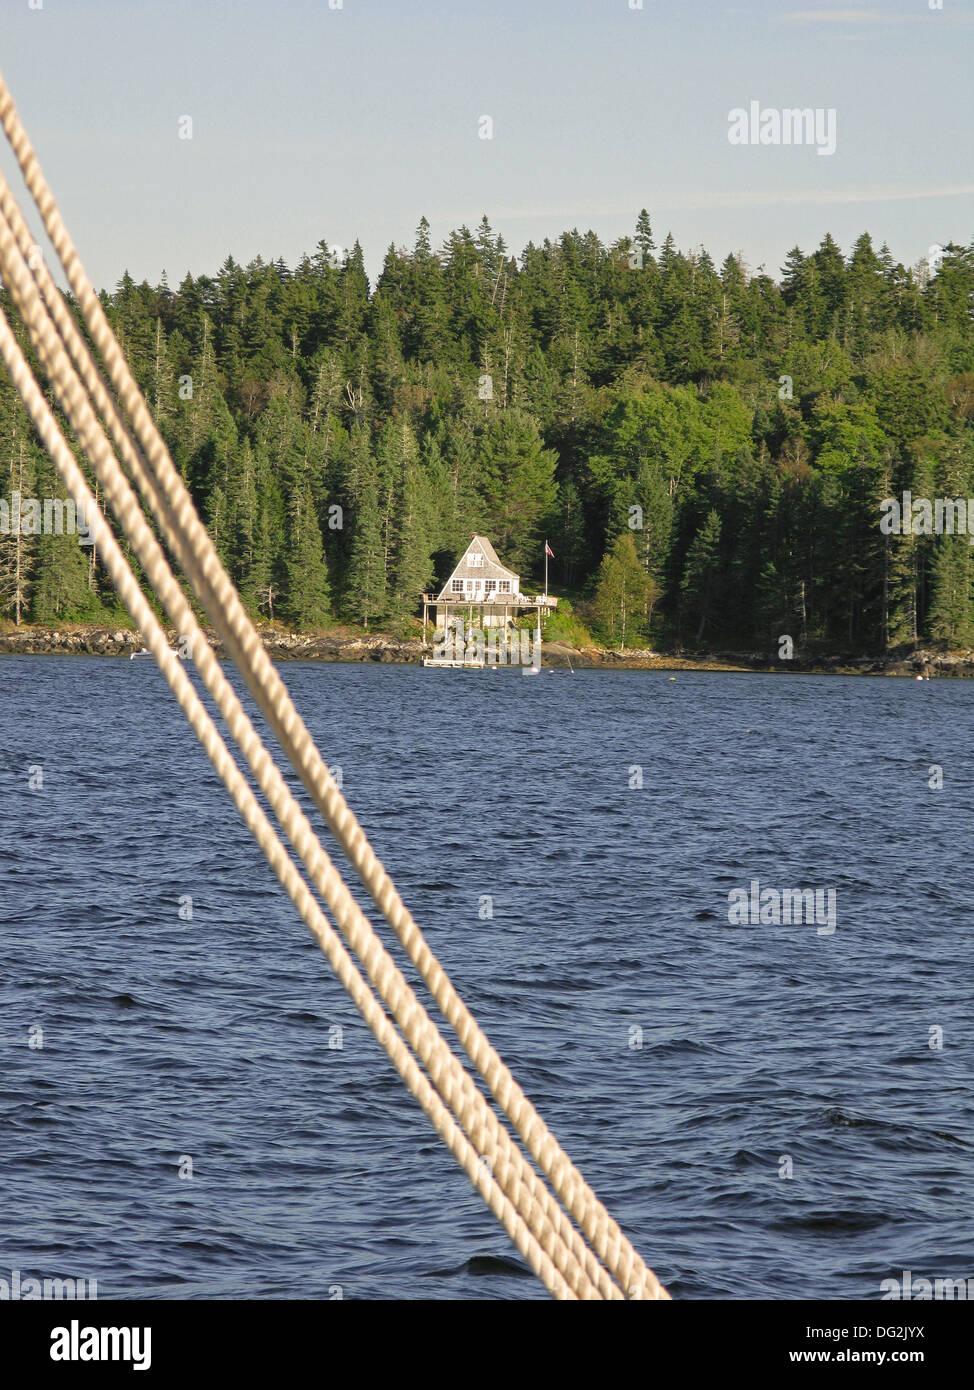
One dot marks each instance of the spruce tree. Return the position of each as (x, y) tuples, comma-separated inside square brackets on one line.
[(365, 590), (306, 600), (18, 550), (699, 585)]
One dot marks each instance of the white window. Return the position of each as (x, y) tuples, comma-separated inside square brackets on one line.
[(504, 587), (475, 560), (490, 585), (457, 586)]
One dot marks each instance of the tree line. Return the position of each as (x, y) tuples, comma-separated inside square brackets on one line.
[(706, 450)]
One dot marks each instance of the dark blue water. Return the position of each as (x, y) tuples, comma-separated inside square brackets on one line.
[(165, 1038)]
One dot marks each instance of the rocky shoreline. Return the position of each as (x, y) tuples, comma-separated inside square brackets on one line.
[(343, 645)]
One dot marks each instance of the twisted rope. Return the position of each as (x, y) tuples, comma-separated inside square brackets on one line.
[(565, 1263), (255, 820), (449, 1077)]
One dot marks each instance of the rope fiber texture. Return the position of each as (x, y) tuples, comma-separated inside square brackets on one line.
[(562, 1230)]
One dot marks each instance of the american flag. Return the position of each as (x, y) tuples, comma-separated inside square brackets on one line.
[(548, 550)]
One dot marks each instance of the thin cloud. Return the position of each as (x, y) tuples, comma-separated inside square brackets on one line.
[(832, 17), (822, 196), (693, 202), (869, 17)]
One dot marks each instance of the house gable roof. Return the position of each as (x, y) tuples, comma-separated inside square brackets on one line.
[(490, 569)]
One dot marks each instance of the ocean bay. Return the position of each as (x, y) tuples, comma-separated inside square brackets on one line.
[(678, 1056)]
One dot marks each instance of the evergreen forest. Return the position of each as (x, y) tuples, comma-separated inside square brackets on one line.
[(705, 448)]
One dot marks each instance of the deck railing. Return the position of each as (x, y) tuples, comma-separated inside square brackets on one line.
[(493, 600)]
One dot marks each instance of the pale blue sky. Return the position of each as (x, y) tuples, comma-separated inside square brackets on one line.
[(312, 123)]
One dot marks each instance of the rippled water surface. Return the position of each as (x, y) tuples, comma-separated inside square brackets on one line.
[(165, 1038)]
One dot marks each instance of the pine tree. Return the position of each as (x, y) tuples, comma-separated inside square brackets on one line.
[(571, 536), (60, 590), (306, 600), (950, 616), (264, 578), (18, 549), (699, 583), (644, 236), (366, 593), (412, 568), (516, 482), (162, 390), (242, 520)]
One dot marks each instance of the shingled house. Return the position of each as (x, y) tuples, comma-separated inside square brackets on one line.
[(481, 591), (480, 581)]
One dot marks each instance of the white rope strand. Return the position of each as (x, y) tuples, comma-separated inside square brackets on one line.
[(518, 1179), (255, 820), (59, 344)]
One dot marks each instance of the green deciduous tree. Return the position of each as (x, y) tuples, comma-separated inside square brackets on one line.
[(625, 594)]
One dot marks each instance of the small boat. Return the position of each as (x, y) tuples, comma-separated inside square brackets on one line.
[(135, 656)]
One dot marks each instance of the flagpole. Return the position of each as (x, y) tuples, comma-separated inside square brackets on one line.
[(546, 568)]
